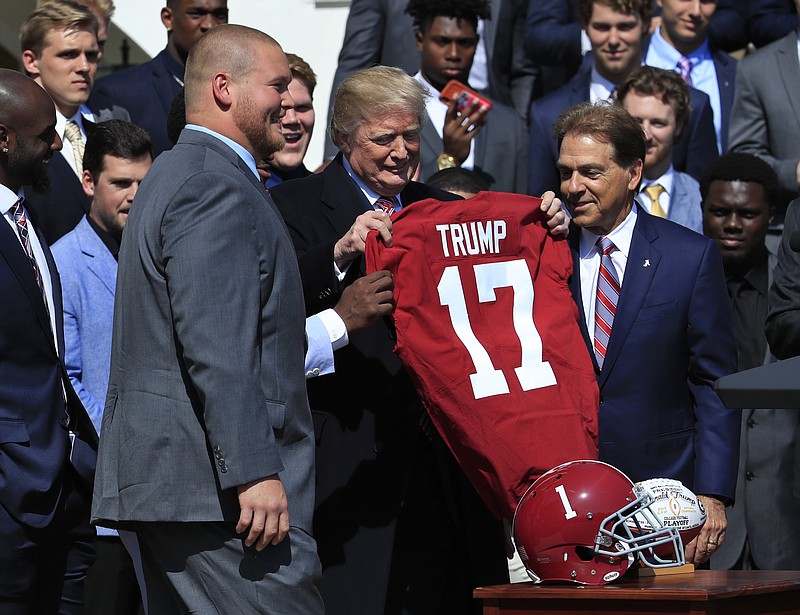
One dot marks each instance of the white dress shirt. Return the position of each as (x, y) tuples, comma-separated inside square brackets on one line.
[(704, 74), (7, 200), (590, 262), (600, 88)]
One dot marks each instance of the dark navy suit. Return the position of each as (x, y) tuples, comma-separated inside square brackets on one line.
[(146, 91), (691, 154), (671, 339), (45, 484)]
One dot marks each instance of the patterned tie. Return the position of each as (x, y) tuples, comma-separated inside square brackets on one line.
[(606, 303), (387, 204), (654, 191), (685, 66), (22, 229), (73, 134)]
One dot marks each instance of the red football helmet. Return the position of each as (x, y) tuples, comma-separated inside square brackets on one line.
[(583, 522)]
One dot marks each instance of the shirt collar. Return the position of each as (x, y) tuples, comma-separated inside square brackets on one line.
[(61, 119), (371, 195), (667, 54), (600, 88), (175, 68), (665, 181), (240, 151), (8, 198), (620, 236)]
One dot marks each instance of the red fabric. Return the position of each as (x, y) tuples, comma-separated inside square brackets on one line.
[(503, 439)]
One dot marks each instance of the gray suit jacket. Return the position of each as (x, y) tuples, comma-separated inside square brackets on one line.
[(501, 150), (765, 119), (207, 388), (380, 32), (767, 488)]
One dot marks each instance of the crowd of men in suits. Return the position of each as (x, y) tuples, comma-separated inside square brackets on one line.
[(251, 456)]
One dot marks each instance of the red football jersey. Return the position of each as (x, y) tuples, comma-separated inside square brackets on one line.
[(488, 329)]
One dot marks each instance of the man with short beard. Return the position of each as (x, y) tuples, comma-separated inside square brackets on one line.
[(208, 442), (47, 442)]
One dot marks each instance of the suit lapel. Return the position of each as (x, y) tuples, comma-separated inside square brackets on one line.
[(165, 85), (342, 196), (677, 199), (726, 76), (98, 259), (431, 145), (643, 262), (14, 254), (789, 71)]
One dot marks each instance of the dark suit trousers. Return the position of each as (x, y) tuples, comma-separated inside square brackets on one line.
[(111, 586), (447, 541), (44, 570)]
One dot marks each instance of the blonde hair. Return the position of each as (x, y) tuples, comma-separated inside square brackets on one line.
[(374, 92), (50, 16)]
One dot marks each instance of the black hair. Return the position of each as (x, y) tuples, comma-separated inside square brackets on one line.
[(116, 138), (176, 119), (423, 12), (458, 180), (739, 166)]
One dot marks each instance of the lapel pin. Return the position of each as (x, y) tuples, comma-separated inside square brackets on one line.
[(646, 262)]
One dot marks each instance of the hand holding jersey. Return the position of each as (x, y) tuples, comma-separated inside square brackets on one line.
[(487, 327)]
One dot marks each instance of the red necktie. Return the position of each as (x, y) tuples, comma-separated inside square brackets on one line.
[(386, 203), (605, 307), (22, 229)]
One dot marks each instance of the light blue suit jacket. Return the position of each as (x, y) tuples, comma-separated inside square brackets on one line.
[(685, 204), (88, 277)]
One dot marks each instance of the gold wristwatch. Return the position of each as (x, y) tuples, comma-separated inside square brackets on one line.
[(446, 161)]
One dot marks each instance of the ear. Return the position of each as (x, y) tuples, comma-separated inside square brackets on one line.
[(30, 63), (222, 86), (87, 183), (166, 18), (6, 138), (635, 175), (418, 37), (342, 142)]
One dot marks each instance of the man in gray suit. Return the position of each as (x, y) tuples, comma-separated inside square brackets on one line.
[(765, 117), (738, 195), (659, 99), (496, 143), (381, 32), (208, 450)]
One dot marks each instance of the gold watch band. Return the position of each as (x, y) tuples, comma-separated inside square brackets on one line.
[(445, 161)]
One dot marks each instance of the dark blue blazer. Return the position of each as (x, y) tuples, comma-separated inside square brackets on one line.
[(62, 207), (672, 338), (726, 81), (692, 153), (146, 91), (34, 441)]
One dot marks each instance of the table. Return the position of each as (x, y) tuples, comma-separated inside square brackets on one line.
[(719, 592)]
